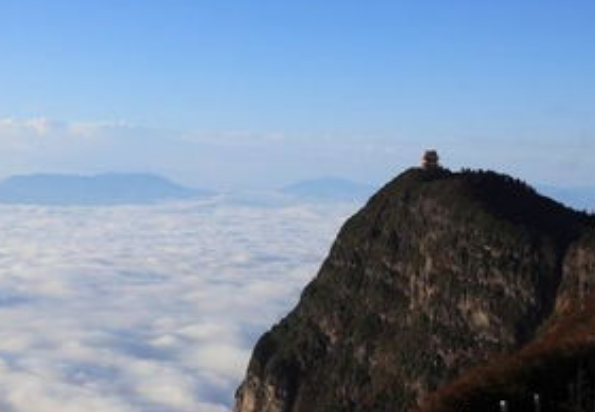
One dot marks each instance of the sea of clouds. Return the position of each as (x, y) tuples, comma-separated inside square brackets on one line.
[(147, 308)]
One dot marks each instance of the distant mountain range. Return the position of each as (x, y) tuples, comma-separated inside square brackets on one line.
[(329, 189), (103, 189), (141, 188)]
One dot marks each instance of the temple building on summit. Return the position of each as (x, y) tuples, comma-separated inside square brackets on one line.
[(430, 160)]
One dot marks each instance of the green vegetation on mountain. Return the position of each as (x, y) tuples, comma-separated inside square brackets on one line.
[(436, 276)]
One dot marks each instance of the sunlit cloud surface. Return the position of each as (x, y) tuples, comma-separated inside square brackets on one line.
[(152, 308)]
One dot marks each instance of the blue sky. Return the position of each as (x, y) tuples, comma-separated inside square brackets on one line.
[(340, 87)]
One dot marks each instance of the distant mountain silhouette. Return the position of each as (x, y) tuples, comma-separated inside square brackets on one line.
[(103, 189), (329, 188)]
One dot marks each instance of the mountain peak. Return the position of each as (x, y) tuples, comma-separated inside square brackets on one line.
[(500, 195), (437, 273)]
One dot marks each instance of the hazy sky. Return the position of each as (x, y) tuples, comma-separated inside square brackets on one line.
[(257, 93)]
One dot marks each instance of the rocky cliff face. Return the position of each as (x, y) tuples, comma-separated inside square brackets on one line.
[(578, 281), (557, 368), (438, 272)]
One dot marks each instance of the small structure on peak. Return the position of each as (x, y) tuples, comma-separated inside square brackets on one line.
[(430, 160)]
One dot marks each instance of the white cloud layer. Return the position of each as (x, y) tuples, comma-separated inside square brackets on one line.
[(152, 308)]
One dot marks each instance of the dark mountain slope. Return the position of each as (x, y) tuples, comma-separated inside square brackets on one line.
[(438, 272), (579, 197)]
